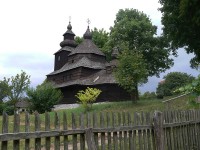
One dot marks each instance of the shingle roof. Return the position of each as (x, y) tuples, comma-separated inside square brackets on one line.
[(100, 77), (66, 48), (87, 47), (83, 62), (22, 104)]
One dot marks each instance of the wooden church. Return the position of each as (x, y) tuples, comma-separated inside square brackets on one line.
[(77, 67)]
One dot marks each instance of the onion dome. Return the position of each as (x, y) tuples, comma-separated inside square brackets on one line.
[(87, 34), (68, 37)]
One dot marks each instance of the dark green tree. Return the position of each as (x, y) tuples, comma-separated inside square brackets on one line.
[(181, 20), (44, 97), (134, 29), (78, 39), (131, 72), (17, 86), (4, 90), (173, 81)]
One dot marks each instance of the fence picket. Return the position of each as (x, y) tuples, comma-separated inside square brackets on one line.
[(74, 136), (16, 128), (148, 122), (130, 133), (109, 133), (120, 132), (115, 141), (102, 125), (135, 132), (4, 144), (47, 128), (95, 126), (27, 129), (37, 128), (82, 137), (125, 132), (65, 128), (57, 127)]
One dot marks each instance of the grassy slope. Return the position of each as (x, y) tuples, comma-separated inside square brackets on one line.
[(141, 105)]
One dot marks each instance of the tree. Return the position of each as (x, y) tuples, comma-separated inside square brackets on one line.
[(17, 86), (181, 22), (78, 39), (4, 90), (131, 71), (44, 97), (173, 81), (136, 30)]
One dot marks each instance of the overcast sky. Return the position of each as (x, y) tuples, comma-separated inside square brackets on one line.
[(31, 31)]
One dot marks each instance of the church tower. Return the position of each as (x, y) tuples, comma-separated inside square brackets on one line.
[(67, 45)]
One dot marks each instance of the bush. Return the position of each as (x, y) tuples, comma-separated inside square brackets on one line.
[(44, 97), (6, 107), (88, 97), (173, 81), (148, 95)]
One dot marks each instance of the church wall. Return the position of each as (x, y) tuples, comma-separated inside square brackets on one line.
[(66, 76), (73, 74), (85, 72), (110, 92), (60, 60)]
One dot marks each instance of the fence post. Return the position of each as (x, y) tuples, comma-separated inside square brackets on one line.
[(158, 130), (90, 139)]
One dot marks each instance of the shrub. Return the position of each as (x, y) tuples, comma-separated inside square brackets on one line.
[(148, 95), (88, 97), (6, 107), (44, 97)]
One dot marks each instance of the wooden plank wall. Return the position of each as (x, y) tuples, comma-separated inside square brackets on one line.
[(170, 130)]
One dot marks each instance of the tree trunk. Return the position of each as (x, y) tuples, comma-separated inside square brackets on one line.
[(135, 95)]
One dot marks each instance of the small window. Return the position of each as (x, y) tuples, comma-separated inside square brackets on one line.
[(58, 58)]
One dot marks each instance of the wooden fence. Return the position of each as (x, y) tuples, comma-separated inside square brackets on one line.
[(171, 130)]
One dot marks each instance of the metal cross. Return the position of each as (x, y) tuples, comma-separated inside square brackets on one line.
[(70, 18), (88, 21)]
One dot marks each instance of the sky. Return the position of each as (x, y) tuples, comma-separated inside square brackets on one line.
[(31, 31)]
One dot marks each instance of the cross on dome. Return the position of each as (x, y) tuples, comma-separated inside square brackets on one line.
[(88, 21)]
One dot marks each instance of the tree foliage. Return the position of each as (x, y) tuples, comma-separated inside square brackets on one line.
[(173, 81), (88, 97), (44, 97), (78, 39), (4, 90), (193, 89), (131, 70), (135, 28), (17, 86), (181, 20)]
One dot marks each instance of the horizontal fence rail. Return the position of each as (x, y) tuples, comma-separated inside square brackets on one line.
[(169, 130)]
